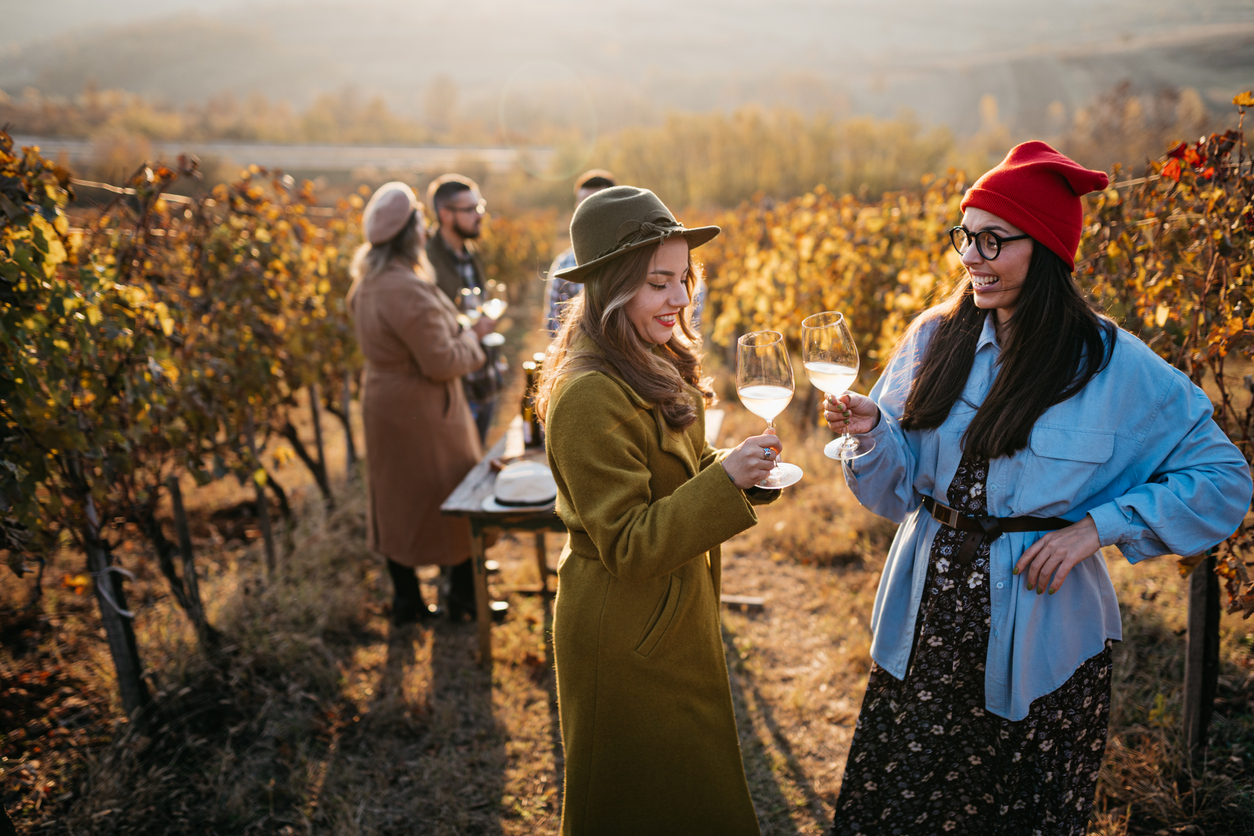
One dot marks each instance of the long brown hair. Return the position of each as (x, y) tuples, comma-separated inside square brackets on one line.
[(599, 314), (1057, 343)]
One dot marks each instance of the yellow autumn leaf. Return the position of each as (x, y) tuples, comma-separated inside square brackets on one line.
[(1160, 315), (259, 476), (163, 316), (1245, 99)]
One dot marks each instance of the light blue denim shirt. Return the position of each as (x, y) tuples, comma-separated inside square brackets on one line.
[(1137, 449)]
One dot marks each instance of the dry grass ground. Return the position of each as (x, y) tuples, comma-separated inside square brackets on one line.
[(319, 717)]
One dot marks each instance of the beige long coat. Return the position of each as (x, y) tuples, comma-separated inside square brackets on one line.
[(643, 692), (420, 437)]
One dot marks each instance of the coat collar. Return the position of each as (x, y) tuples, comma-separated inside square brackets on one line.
[(678, 443)]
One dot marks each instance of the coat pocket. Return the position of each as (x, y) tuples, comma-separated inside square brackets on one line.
[(661, 619)]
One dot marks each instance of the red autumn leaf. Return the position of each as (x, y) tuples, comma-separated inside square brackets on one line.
[(1208, 173), (1178, 152), (1171, 170), (1193, 157)]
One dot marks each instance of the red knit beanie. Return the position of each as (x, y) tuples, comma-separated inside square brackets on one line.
[(1038, 190)]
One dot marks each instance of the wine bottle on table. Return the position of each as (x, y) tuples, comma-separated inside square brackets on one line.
[(537, 428), (528, 410)]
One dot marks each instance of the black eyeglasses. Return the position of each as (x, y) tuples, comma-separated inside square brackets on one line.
[(987, 242), (479, 208)]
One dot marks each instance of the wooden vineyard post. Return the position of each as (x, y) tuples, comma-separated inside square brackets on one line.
[(350, 452), (1201, 659), (195, 609), (119, 632), (315, 411), (263, 507)]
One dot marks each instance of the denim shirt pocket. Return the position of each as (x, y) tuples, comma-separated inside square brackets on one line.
[(1062, 463)]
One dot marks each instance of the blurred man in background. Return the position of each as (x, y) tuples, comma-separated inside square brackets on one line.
[(559, 291), (459, 209)]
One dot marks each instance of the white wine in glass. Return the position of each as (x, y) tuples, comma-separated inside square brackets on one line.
[(494, 306), (831, 362), (472, 310), (765, 384)]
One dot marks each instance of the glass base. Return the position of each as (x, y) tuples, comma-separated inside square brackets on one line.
[(782, 476), (845, 449)]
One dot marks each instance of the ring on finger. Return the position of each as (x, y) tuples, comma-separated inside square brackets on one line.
[(766, 453)]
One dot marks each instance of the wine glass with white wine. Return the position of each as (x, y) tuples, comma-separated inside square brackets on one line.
[(831, 362), (470, 301), (765, 384), (495, 303)]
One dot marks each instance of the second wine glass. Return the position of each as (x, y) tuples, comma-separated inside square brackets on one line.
[(495, 303), (831, 362), (764, 382)]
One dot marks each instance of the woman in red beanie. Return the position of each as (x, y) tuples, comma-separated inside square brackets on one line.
[(1017, 432)]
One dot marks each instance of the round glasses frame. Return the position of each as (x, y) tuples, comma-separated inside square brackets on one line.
[(987, 242)]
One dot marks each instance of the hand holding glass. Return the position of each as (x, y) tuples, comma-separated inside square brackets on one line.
[(765, 384), (831, 362)]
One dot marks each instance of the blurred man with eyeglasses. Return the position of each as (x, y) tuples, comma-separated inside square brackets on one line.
[(459, 209)]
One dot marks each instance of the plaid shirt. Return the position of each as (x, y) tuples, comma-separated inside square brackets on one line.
[(559, 292)]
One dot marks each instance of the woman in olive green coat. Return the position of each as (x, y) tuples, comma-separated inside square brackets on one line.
[(643, 693)]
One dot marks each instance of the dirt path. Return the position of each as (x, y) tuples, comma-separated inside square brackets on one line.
[(437, 745)]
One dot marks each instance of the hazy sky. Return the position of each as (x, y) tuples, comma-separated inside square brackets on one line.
[(934, 58)]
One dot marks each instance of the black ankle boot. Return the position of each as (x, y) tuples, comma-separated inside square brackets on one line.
[(407, 604), (459, 593)]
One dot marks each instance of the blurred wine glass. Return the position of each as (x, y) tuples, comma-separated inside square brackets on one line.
[(495, 303), (471, 303)]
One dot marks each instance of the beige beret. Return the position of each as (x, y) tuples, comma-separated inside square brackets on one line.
[(388, 210)]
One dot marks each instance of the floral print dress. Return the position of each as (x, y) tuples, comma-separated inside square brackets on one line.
[(927, 757)]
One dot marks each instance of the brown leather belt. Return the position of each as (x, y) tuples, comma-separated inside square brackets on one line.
[(978, 529)]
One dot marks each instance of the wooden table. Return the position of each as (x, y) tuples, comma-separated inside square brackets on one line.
[(467, 501)]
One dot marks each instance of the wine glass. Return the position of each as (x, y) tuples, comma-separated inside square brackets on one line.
[(495, 303), (765, 385), (471, 304), (831, 362)]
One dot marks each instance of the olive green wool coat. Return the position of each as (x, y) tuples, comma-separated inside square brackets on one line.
[(643, 693)]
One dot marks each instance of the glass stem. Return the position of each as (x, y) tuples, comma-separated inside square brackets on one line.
[(770, 425)]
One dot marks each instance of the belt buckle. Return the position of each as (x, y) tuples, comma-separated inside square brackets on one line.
[(946, 515)]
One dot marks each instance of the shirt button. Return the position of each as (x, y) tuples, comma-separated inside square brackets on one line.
[(1000, 585)]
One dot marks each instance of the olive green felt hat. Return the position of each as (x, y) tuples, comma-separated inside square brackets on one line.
[(621, 219)]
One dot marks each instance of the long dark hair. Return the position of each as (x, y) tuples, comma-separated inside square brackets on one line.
[(599, 314), (1057, 343)]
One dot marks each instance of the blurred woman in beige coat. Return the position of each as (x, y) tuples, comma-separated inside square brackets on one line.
[(420, 437)]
